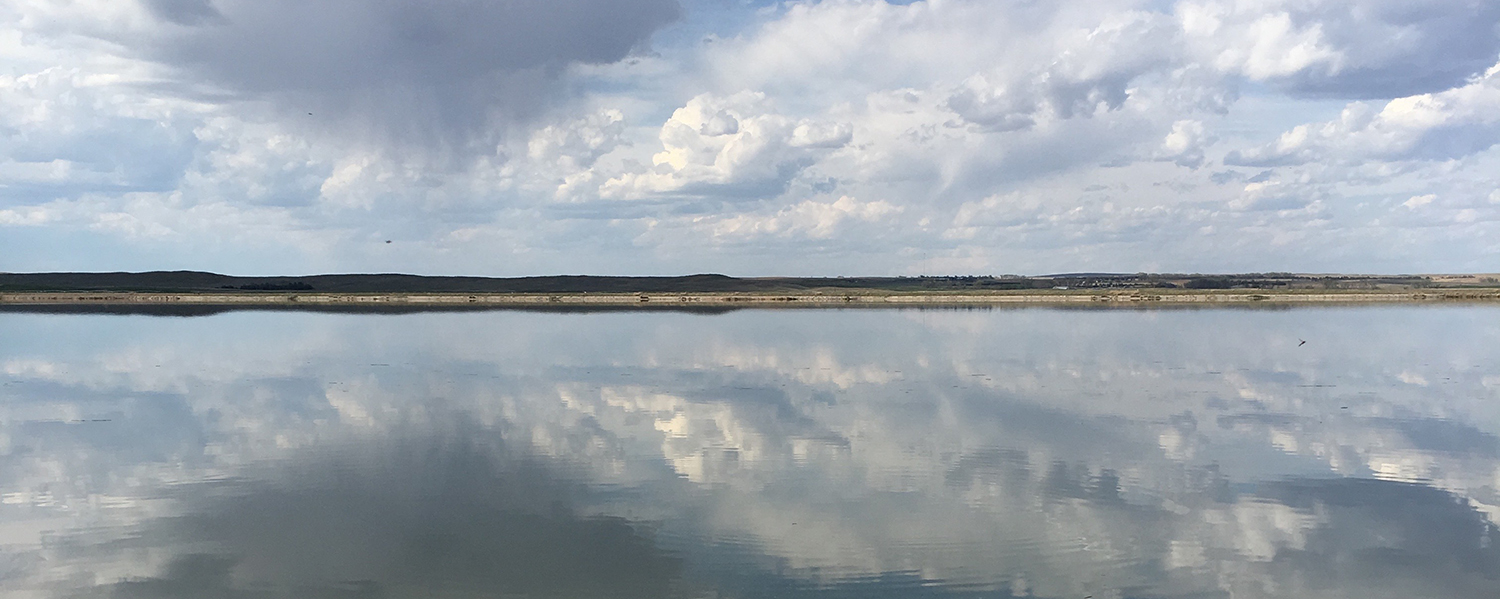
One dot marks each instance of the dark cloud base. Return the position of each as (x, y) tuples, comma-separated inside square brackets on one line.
[(436, 72)]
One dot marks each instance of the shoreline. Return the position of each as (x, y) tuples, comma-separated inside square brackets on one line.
[(816, 299)]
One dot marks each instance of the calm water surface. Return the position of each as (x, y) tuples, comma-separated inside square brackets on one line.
[(921, 453)]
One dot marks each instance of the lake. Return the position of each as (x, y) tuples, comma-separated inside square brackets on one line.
[(1346, 452)]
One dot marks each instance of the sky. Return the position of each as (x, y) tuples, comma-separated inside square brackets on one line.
[(752, 138)]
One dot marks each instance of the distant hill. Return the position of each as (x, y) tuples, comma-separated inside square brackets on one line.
[(191, 281)]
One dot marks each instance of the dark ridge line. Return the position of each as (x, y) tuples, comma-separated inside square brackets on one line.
[(201, 282), (181, 311)]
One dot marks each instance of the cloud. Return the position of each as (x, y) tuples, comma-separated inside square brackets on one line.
[(1274, 195), (30, 216), (184, 12), (1364, 49), (1184, 145), (998, 64), (564, 154), (438, 72), (1438, 126), (1090, 70), (579, 143), (1419, 201), (63, 131), (811, 219), (734, 146)]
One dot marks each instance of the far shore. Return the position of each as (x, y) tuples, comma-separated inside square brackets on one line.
[(1122, 298)]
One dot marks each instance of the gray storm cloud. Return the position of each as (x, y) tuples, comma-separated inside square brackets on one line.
[(425, 70), (1393, 49)]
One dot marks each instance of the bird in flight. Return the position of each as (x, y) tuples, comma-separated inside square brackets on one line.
[(1298, 345)]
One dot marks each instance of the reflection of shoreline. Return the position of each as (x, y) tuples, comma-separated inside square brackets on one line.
[(379, 301)]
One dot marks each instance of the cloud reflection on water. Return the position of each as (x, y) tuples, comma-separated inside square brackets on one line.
[(992, 453), (452, 512)]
